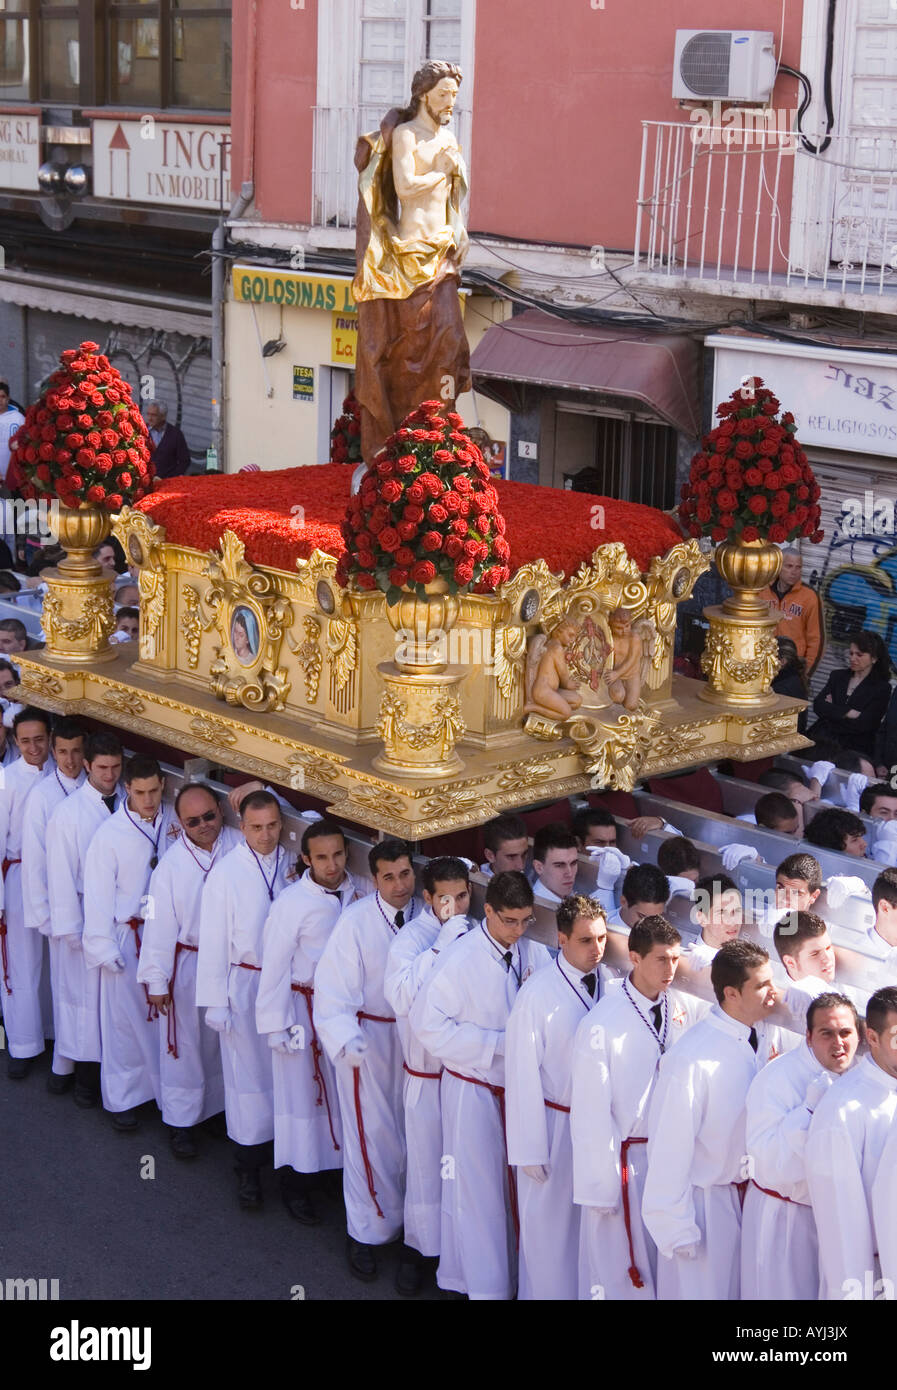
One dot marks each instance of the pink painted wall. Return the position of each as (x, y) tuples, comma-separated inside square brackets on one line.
[(280, 147), (560, 94)]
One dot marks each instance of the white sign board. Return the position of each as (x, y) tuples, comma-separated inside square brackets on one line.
[(19, 151), (153, 160), (839, 399)]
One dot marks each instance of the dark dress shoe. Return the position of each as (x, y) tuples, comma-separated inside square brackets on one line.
[(362, 1260), (60, 1085), (17, 1068), (125, 1121), (301, 1208), (410, 1273), (249, 1189), (85, 1098), (182, 1143)]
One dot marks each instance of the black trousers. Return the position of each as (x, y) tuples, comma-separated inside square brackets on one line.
[(251, 1157)]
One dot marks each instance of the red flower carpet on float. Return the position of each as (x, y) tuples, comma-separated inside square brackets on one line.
[(267, 511)]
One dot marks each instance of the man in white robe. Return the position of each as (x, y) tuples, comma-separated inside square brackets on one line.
[(190, 1077), (117, 867), (806, 951), (505, 846), (307, 1131), (882, 935), (236, 900), (697, 1166), (460, 1017), (76, 989), (645, 892), (779, 1249), (26, 1007), (884, 1216), (358, 1030), (718, 913), (67, 749), (850, 1127), (615, 1058), (413, 955), (538, 1055), (555, 862)]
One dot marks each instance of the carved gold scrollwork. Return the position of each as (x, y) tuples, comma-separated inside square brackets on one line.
[(308, 654), (444, 728), (251, 616), (124, 702), (213, 731), (718, 661), (342, 648), (613, 753), (191, 624), (142, 542), (96, 621)]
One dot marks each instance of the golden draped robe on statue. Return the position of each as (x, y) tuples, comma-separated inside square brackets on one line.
[(411, 339)]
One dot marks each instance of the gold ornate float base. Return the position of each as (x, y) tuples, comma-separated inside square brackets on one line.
[(345, 777), (420, 718)]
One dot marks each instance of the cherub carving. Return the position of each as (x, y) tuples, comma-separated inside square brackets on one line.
[(624, 680), (551, 687)]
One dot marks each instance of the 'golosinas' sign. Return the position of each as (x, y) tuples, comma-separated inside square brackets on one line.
[(839, 399), (152, 160)]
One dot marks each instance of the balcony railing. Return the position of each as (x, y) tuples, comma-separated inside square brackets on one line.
[(334, 176), (751, 206)]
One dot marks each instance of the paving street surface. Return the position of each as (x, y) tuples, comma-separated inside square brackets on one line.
[(74, 1207)]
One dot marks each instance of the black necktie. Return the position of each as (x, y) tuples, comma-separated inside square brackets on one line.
[(657, 1015), (332, 893), (110, 803), (400, 918), (507, 958), (752, 1038), (589, 982)]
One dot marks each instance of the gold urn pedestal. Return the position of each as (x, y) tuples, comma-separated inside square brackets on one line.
[(420, 719), (78, 614), (740, 659)]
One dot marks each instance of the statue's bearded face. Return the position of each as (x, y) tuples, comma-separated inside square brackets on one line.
[(440, 100)]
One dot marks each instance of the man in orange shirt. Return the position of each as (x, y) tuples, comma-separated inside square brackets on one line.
[(798, 606)]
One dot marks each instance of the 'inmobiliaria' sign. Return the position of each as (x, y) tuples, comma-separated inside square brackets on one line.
[(152, 160)]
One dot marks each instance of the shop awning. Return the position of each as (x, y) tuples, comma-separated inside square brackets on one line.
[(657, 372)]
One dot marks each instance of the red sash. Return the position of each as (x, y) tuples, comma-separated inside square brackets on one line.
[(307, 993), (499, 1093), (359, 1118), (152, 1010), (424, 1075), (172, 1024), (768, 1192), (636, 1278)]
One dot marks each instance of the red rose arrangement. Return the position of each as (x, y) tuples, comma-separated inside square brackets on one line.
[(426, 510), (751, 481), (345, 437), (84, 440)]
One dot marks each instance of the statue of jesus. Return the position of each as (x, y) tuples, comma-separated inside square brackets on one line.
[(410, 243)]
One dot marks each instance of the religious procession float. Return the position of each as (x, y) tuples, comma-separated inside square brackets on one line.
[(430, 647)]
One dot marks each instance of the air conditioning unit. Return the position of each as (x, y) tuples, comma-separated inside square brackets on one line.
[(724, 64)]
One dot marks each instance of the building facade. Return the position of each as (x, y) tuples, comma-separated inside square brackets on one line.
[(114, 165)]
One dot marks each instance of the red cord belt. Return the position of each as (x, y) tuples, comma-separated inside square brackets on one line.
[(768, 1192), (424, 1075), (633, 1272), (356, 1083), (307, 992), (172, 1023), (4, 954), (499, 1093), (152, 1010)]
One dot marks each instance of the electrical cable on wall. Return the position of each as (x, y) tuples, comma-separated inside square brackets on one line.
[(826, 87)]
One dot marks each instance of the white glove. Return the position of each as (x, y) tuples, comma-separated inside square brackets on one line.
[(821, 771), (354, 1051), (736, 854), (611, 864), (817, 1089), (279, 1042), (884, 851), (73, 942), (221, 1020), (857, 782), (687, 1252), (537, 1171), (840, 887), (114, 967), (449, 932)]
